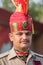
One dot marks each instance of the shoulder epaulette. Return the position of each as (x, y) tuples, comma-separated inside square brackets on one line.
[(4, 54)]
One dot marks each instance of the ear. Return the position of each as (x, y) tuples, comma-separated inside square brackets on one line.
[(11, 36)]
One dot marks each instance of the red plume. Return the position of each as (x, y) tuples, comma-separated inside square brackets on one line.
[(23, 3)]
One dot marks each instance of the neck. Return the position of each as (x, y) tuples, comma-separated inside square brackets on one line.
[(21, 49)]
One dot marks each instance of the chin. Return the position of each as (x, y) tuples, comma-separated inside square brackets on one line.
[(24, 46)]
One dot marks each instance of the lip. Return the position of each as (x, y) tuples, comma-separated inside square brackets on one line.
[(24, 42)]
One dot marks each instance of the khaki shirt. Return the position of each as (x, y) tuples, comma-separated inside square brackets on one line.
[(10, 58)]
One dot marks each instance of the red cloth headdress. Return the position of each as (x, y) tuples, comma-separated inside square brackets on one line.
[(20, 20)]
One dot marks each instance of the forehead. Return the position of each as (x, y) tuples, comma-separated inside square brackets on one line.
[(24, 31)]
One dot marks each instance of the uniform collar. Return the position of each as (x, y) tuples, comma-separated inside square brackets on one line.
[(29, 56), (12, 54)]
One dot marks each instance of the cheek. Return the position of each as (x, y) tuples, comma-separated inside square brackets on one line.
[(16, 42), (16, 39), (30, 40), (29, 37)]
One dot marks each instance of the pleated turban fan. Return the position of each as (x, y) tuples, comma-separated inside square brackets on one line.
[(20, 20)]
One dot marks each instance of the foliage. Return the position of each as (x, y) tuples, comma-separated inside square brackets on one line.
[(36, 11), (8, 5)]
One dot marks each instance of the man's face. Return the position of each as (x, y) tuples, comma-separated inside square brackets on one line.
[(21, 40)]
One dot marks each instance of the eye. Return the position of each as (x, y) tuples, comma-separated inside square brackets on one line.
[(28, 33), (19, 33)]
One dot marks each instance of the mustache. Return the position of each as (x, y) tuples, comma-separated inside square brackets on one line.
[(24, 41)]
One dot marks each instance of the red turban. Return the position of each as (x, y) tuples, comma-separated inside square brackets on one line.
[(19, 21)]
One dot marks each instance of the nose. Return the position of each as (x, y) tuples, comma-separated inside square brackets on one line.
[(24, 36)]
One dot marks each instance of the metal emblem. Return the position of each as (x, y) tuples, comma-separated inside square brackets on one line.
[(25, 25)]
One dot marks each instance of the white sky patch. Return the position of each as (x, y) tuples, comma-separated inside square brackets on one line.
[(36, 1), (0, 3)]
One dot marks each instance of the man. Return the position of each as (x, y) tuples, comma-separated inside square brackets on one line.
[(21, 36)]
